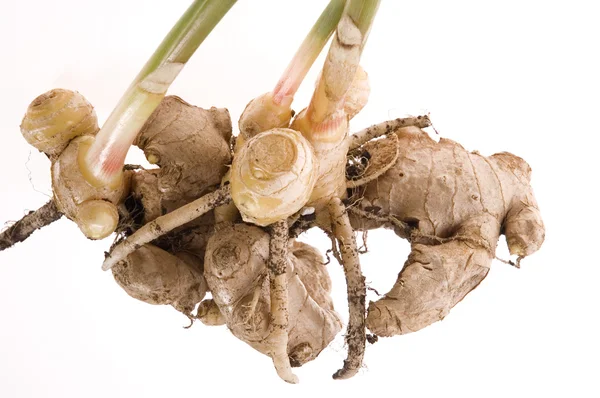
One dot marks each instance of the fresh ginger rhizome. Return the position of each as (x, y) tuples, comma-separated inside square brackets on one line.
[(220, 214)]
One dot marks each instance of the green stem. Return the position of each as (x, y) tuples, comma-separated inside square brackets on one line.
[(362, 13), (309, 50), (340, 67), (104, 161)]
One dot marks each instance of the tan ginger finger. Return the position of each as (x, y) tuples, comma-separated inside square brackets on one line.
[(191, 147), (437, 187), (210, 314), (377, 130), (272, 176), (263, 114), (236, 272), (62, 124), (312, 271), (234, 267), (523, 225), (93, 208), (434, 279), (277, 265), (155, 276), (438, 274), (355, 281), (310, 305), (54, 118), (166, 223), (524, 230)]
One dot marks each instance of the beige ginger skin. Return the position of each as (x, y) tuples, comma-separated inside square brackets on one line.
[(62, 124), (453, 243), (236, 273), (324, 125), (452, 204), (220, 214), (457, 203)]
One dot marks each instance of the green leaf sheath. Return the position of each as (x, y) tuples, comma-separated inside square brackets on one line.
[(309, 50), (103, 162), (362, 12)]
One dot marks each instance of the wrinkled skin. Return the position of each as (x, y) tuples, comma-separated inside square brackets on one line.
[(155, 276), (458, 203), (236, 272)]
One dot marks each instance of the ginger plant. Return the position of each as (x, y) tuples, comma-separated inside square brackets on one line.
[(185, 229), (87, 173), (272, 176)]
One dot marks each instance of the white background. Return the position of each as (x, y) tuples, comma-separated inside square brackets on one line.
[(514, 75)]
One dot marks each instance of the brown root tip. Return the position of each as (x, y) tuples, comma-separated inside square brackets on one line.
[(372, 338), (345, 373), (31, 222), (191, 322)]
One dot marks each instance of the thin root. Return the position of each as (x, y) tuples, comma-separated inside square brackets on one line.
[(191, 318), (355, 282), (372, 289), (27, 225), (516, 264), (327, 253), (413, 234), (167, 223), (278, 334), (364, 249), (377, 130), (334, 249)]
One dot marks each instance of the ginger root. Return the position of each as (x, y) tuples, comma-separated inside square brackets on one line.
[(272, 176), (27, 225), (179, 231), (191, 147), (236, 272), (155, 276), (452, 205), (93, 208), (62, 124), (54, 118)]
